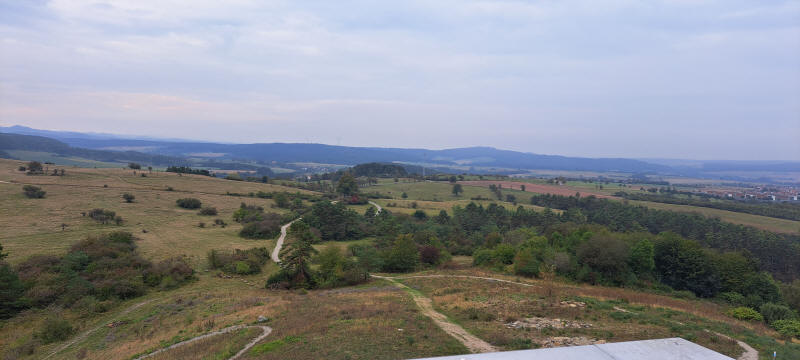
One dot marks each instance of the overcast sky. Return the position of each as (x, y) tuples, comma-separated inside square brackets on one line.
[(671, 79)]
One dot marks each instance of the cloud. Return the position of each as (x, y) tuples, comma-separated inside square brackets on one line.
[(594, 78)]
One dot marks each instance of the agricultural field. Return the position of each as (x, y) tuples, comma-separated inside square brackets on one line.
[(585, 189)]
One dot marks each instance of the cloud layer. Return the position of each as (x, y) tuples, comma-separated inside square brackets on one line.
[(671, 78)]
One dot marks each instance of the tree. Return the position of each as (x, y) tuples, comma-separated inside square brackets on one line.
[(134, 166), (128, 197), (641, 258), (296, 259), (150, 169), (35, 167), (404, 195), (457, 189), (606, 255), (347, 185), (281, 200), (11, 291), (522, 187), (33, 192), (403, 255)]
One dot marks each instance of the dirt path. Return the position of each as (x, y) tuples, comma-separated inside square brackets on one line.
[(749, 352), (376, 206), (473, 343), (277, 252), (266, 330), (86, 334)]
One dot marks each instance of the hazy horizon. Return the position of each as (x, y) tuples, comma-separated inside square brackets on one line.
[(707, 80)]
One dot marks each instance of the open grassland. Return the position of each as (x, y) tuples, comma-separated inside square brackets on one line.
[(33, 226), (585, 188), (757, 221), (373, 321)]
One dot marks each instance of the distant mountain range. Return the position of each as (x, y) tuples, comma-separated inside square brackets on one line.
[(471, 159)]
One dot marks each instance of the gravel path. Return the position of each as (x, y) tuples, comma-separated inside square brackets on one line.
[(277, 252), (376, 206), (472, 342)]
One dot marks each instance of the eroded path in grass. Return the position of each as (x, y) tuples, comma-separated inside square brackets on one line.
[(86, 333), (472, 342), (266, 330)]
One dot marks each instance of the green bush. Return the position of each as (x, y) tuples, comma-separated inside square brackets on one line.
[(788, 328), (774, 312), (189, 203), (745, 313), (54, 330), (33, 192)]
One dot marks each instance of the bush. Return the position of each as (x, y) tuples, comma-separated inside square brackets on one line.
[(482, 257), (788, 328), (33, 192), (54, 330), (242, 262), (189, 203), (430, 255), (208, 211), (268, 227), (403, 256), (128, 197), (101, 215), (745, 313), (169, 273), (526, 264), (774, 312)]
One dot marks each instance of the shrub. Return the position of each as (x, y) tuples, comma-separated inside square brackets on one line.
[(420, 215), (128, 197), (101, 215), (240, 262), (169, 273), (526, 264), (33, 192), (745, 313), (403, 256), (430, 255), (788, 328), (189, 203), (208, 211), (54, 330), (269, 226), (503, 254), (774, 312), (482, 257)]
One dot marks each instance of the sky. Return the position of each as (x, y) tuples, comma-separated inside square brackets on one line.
[(692, 79)]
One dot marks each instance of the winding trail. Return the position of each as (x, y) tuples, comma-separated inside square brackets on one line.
[(266, 330), (472, 342), (376, 206), (279, 244), (748, 354)]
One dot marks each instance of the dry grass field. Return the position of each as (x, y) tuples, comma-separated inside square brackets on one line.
[(33, 226)]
